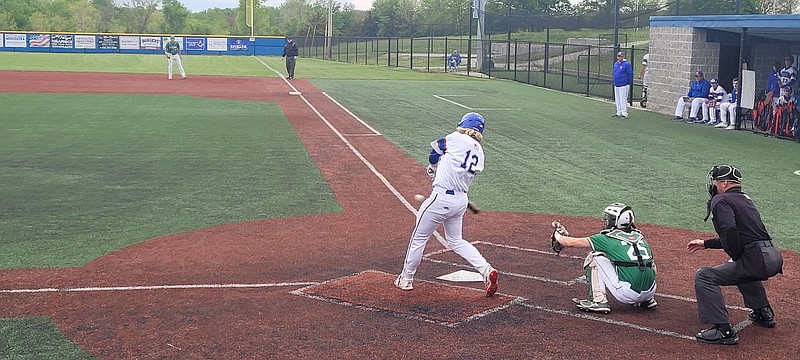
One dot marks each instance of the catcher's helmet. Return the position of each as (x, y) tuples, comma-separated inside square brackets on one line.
[(617, 215), (472, 121)]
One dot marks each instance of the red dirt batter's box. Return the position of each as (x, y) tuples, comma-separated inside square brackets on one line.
[(432, 302)]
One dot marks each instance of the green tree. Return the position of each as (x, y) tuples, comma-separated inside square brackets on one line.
[(394, 17), (109, 15), (136, 16), (175, 16), (83, 16), (293, 17)]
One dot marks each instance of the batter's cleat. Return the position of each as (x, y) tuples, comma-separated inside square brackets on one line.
[(591, 306), (403, 284), (764, 317), (718, 336), (490, 280)]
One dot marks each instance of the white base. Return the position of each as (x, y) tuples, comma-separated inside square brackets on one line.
[(462, 276)]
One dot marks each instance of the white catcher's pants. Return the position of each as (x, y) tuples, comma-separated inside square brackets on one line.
[(607, 279), (442, 208), (180, 65), (621, 99)]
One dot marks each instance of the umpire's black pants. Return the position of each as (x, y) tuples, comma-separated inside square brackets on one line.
[(290, 61), (707, 282)]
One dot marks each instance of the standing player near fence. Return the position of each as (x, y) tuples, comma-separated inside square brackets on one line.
[(454, 162), (172, 49), (290, 54)]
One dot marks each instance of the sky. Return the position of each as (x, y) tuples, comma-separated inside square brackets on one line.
[(200, 5)]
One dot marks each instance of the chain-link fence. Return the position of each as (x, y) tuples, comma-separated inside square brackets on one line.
[(584, 67)]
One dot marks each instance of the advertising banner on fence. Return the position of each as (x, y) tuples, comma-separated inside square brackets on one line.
[(129, 42), (217, 44), (2, 40), (193, 43), (237, 44), (38, 40), (61, 41), (15, 40), (85, 42), (150, 42), (108, 42)]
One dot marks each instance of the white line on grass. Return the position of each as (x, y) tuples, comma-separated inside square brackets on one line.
[(452, 102), (364, 160), (156, 287), (277, 72), (351, 114)]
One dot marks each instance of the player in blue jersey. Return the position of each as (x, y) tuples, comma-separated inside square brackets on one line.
[(454, 162)]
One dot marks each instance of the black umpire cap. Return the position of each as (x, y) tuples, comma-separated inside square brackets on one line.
[(725, 173)]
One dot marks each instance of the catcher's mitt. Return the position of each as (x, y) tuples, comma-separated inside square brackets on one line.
[(554, 244)]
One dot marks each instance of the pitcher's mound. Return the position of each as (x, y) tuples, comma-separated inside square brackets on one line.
[(430, 301)]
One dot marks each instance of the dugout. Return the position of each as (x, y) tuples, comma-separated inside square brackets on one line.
[(716, 45)]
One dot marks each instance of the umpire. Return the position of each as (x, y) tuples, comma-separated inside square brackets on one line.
[(290, 53), (753, 258)]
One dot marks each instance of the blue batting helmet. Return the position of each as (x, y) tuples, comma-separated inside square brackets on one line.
[(472, 121)]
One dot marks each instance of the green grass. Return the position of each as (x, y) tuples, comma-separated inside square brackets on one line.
[(564, 154), (78, 184), (35, 339)]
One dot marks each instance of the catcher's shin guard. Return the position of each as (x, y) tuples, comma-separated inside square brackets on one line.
[(597, 292)]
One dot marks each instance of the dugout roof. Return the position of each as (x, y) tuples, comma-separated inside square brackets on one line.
[(779, 27)]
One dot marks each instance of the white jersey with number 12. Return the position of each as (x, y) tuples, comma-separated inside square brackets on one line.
[(462, 159)]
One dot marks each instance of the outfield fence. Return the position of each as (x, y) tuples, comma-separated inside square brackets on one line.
[(583, 67)]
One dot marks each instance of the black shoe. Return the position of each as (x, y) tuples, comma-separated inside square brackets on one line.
[(717, 336), (677, 118), (764, 317)]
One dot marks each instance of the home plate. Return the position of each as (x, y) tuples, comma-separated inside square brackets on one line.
[(462, 276)]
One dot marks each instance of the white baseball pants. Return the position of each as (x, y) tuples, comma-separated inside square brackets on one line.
[(180, 65), (726, 110), (621, 99), (447, 209)]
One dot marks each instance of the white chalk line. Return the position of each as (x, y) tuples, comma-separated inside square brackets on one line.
[(351, 114), (277, 72), (452, 102), (154, 287), (366, 162), (611, 321)]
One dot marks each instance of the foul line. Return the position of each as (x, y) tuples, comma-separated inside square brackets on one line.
[(351, 114), (277, 72), (355, 151), (155, 287)]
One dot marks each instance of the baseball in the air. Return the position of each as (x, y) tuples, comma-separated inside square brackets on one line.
[(419, 197)]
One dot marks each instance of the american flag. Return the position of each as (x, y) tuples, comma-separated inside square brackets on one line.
[(42, 40)]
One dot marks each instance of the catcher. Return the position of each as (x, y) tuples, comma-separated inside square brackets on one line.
[(620, 261)]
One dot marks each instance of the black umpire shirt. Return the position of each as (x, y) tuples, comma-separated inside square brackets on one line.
[(740, 229), (290, 49)]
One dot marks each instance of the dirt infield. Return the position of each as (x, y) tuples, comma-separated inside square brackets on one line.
[(320, 286)]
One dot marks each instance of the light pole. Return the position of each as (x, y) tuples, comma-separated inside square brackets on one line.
[(329, 32)]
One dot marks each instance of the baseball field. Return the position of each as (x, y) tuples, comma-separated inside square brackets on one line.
[(220, 217)]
